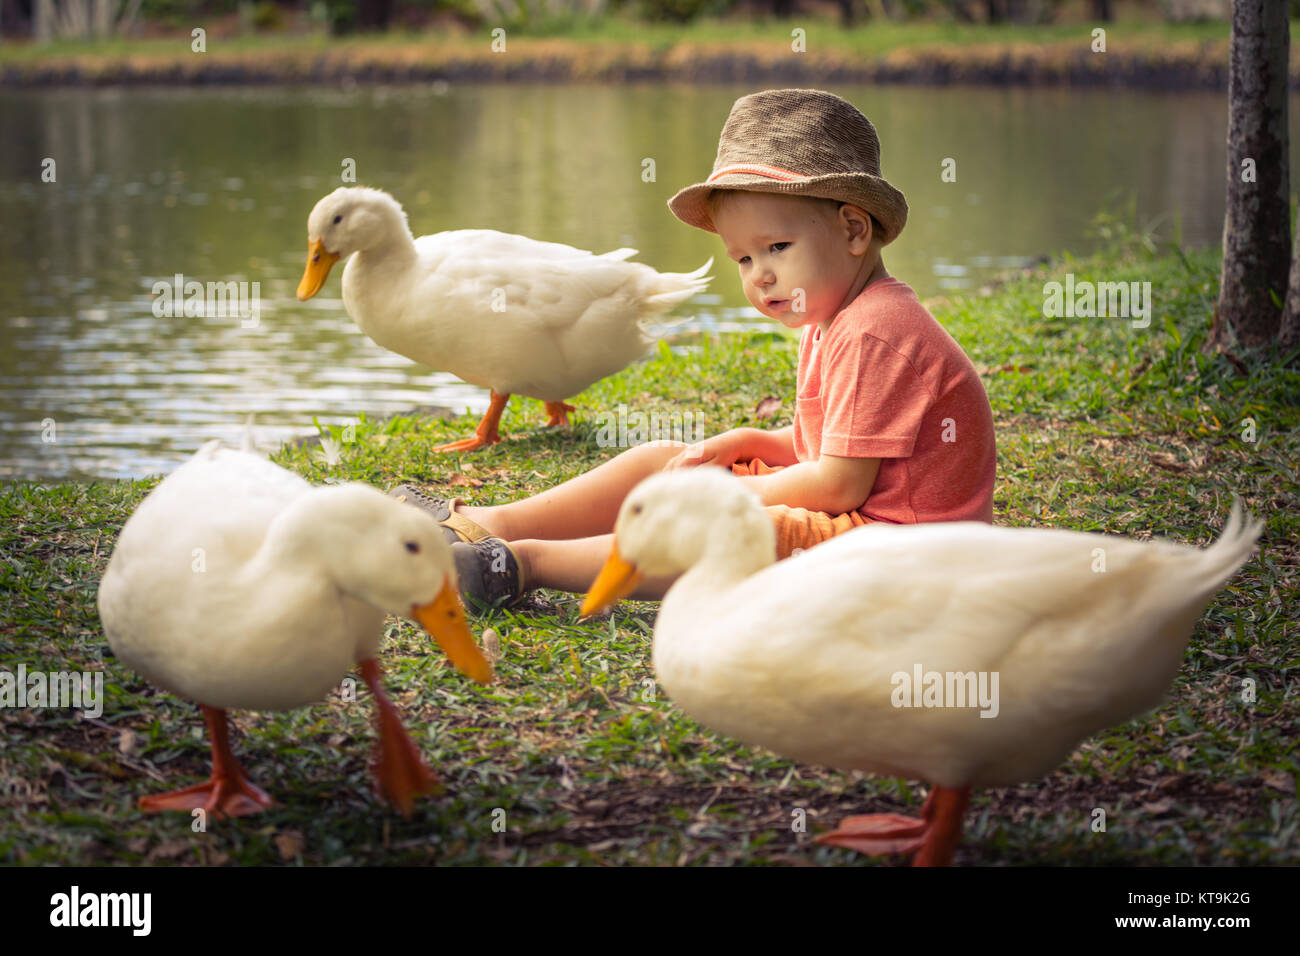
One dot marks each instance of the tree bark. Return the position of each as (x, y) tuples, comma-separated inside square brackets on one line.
[(1288, 334), (1256, 229)]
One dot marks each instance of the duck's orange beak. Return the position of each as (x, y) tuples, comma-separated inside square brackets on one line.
[(616, 581), (319, 263), (444, 618)]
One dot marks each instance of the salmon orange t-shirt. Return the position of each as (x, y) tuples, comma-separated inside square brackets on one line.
[(887, 381)]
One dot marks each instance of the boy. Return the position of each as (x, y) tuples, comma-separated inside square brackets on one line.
[(891, 421)]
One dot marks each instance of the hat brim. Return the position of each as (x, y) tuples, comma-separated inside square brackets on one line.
[(872, 193)]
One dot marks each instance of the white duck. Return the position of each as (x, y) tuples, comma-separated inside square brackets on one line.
[(825, 657), (237, 584), (504, 312)]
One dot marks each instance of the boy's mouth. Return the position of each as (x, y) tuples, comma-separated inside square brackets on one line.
[(775, 304)]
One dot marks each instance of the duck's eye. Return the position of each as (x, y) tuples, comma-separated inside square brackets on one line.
[(337, 220), (412, 547), (636, 509)]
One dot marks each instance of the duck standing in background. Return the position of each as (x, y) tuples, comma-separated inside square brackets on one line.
[(817, 657), (237, 584), (504, 312)]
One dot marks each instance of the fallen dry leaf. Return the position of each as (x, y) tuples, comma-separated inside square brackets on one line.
[(1169, 462), (491, 645), (289, 844), (1279, 780), (767, 407)]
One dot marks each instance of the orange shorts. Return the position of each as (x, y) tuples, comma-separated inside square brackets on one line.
[(799, 527)]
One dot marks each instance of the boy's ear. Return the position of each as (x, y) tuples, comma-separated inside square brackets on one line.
[(859, 226)]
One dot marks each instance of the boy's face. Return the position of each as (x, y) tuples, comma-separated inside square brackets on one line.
[(800, 260)]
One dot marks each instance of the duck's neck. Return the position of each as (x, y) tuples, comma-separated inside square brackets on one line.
[(727, 560), (387, 260), (377, 282)]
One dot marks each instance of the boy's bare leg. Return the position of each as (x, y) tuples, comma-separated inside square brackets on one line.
[(580, 507), (573, 565)]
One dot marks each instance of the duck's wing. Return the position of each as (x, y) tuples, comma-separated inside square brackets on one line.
[(879, 594), (214, 508), (196, 529), (971, 594), (550, 292), (478, 243)]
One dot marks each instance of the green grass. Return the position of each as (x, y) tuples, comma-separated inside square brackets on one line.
[(1100, 426), (872, 40)]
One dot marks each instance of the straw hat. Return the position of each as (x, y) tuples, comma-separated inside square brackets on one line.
[(799, 143)]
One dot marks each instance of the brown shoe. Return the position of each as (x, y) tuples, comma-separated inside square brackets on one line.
[(489, 574), (456, 527)]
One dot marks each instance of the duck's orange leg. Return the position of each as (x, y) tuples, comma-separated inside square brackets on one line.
[(933, 837), (557, 413), (947, 806), (400, 772), (486, 433), (227, 793)]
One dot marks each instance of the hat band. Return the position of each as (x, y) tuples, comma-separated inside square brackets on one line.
[(754, 169)]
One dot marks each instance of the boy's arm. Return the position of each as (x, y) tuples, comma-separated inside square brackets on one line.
[(776, 447), (739, 444), (831, 484)]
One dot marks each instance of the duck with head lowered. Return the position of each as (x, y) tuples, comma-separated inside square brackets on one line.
[(504, 312), (827, 657), (236, 584)]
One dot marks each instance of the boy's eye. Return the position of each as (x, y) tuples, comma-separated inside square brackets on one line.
[(742, 260), (779, 246)]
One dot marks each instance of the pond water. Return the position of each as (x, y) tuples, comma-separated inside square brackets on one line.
[(216, 185)]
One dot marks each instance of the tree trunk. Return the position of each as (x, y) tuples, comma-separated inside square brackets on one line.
[(1288, 335), (1256, 229), (1102, 11)]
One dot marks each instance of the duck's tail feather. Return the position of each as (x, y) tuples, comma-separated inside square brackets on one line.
[(619, 254), (672, 288), (1221, 560)]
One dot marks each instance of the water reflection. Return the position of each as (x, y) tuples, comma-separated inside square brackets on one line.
[(217, 185)]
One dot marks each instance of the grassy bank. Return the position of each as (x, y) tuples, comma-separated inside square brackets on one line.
[(1100, 427), (1137, 54)]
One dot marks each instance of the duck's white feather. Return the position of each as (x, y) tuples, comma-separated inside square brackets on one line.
[(501, 311), (225, 585), (800, 657), (187, 603)]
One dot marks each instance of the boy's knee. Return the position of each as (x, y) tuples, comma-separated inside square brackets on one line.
[(652, 456)]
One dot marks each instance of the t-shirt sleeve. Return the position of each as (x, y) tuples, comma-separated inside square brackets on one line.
[(873, 400)]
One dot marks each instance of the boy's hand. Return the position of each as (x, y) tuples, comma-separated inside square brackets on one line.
[(719, 450)]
